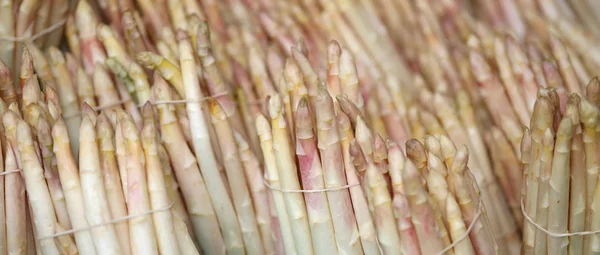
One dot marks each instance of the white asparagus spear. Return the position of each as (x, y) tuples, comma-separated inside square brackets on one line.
[(163, 220), (41, 203), (206, 156), (69, 177), (94, 195)]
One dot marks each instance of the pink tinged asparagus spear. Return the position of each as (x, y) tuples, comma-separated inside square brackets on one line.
[(215, 80), (51, 172), (69, 175), (237, 180), (7, 88), (317, 206), (260, 197), (287, 169), (272, 176), (91, 48), (112, 180), (104, 88), (67, 96), (481, 237), (525, 75), (2, 198), (387, 233), (492, 92), (349, 79), (403, 214), (85, 88), (577, 193), (347, 235), (423, 215), (15, 206), (559, 188), (509, 82), (589, 119), (94, 195), (457, 227), (366, 227), (163, 221), (141, 229), (205, 154), (562, 59), (43, 212)]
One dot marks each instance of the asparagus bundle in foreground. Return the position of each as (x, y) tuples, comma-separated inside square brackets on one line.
[(559, 158)]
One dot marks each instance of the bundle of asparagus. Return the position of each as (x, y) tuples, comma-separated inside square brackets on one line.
[(559, 158)]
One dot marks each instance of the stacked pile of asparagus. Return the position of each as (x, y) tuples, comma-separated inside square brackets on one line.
[(456, 77)]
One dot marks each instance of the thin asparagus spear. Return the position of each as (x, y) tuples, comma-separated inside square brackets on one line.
[(95, 203), (253, 172), (69, 175), (104, 88), (559, 187), (7, 88), (15, 206), (311, 172), (508, 80), (92, 51), (51, 172), (237, 180), (481, 237), (163, 221), (589, 119), (287, 169), (422, 216), (45, 218), (112, 180), (141, 229), (204, 152), (68, 97), (577, 193), (543, 196), (272, 176), (364, 221), (193, 187)]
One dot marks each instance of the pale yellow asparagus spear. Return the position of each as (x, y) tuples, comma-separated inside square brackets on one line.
[(577, 193), (311, 172), (67, 96), (163, 221), (388, 235), (204, 152), (272, 177), (15, 206), (253, 171), (400, 202), (193, 187), (422, 216), (543, 198), (333, 168), (141, 229), (287, 169), (43, 211), (237, 181), (558, 216), (366, 227), (93, 191), (69, 175), (112, 180)]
